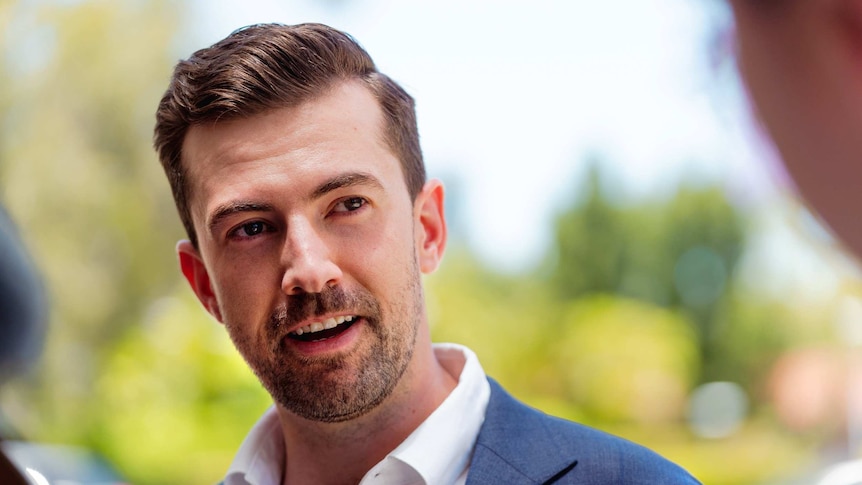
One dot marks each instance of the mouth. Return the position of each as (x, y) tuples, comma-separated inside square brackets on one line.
[(324, 329)]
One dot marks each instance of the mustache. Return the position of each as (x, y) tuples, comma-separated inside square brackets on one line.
[(306, 306)]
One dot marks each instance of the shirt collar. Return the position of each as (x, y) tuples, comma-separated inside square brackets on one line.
[(260, 459), (438, 450)]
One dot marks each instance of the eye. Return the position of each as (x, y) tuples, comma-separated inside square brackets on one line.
[(249, 229), (350, 204)]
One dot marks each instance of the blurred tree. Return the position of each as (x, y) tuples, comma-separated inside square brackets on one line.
[(625, 361), (680, 253), (80, 84), (590, 243), (175, 397), (704, 237), (506, 320)]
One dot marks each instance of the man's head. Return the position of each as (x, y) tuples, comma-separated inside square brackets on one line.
[(264, 67), (310, 228)]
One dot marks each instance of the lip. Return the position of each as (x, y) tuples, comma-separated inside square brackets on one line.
[(336, 343)]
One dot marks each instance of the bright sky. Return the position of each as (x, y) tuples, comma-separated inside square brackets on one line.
[(512, 96)]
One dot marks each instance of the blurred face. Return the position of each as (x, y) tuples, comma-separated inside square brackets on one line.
[(802, 64), (310, 250)]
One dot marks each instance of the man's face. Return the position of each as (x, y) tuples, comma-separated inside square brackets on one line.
[(310, 250)]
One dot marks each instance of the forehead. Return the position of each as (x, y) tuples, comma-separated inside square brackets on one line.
[(340, 130)]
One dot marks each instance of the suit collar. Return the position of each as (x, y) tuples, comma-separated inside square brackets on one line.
[(505, 450)]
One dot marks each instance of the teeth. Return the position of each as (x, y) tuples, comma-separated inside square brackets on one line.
[(324, 325)]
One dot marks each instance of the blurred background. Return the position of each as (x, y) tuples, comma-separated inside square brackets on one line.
[(626, 250)]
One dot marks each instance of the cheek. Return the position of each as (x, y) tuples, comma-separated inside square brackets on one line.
[(245, 289), (382, 251)]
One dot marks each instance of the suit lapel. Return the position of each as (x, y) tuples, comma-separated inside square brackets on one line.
[(516, 445)]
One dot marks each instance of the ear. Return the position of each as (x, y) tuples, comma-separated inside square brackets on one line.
[(193, 269), (430, 226)]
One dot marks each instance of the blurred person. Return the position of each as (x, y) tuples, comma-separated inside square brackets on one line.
[(22, 304), (22, 320), (297, 173), (801, 61)]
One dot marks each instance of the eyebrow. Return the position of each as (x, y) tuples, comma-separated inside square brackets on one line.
[(345, 180), (227, 210)]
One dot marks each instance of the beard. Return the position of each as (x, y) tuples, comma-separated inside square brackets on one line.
[(341, 387)]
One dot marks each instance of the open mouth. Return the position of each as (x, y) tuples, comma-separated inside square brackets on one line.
[(324, 329)]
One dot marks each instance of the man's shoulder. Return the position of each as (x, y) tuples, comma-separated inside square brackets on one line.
[(527, 445)]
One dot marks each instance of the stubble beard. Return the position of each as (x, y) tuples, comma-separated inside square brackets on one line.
[(343, 387)]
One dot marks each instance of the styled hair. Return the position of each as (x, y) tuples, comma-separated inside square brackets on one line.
[(269, 66)]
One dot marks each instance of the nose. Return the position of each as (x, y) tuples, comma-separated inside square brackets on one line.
[(307, 261)]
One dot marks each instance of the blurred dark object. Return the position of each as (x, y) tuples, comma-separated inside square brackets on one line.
[(22, 304), (22, 321), (802, 65), (9, 473)]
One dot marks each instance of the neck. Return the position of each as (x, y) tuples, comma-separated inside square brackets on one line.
[(338, 453)]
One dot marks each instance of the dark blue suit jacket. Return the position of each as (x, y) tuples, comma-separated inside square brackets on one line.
[(520, 445)]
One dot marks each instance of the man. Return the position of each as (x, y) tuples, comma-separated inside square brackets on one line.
[(802, 64), (297, 173)]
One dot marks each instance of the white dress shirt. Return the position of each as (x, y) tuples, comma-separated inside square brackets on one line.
[(437, 452)]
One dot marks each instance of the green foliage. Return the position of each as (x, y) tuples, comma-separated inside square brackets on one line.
[(624, 360), (76, 158), (680, 254), (505, 320), (80, 84), (177, 386), (594, 264)]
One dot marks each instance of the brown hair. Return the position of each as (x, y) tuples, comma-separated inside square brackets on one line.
[(270, 66)]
